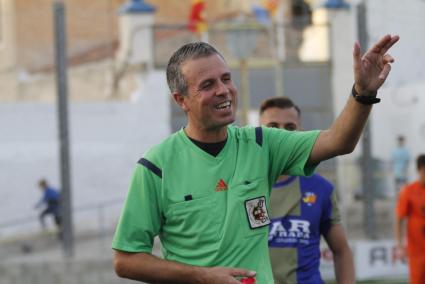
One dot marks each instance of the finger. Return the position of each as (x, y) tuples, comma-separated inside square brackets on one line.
[(381, 44), (385, 71), (393, 40), (242, 272), (357, 58), (388, 59), (384, 44)]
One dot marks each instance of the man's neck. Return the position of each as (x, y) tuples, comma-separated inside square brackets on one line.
[(206, 136)]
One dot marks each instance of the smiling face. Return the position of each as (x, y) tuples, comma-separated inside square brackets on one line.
[(284, 118), (210, 102)]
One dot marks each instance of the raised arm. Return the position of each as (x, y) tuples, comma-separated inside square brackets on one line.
[(370, 72), (151, 269)]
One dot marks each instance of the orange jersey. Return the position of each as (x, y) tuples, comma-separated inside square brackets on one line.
[(411, 205)]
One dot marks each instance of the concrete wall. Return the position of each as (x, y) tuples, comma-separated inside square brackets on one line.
[(94, 271), (401, 110), (89, 24), (7, 35), (27, 46), (86, 83)]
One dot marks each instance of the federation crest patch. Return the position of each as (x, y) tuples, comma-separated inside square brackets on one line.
[(310, 198), (256, 211)]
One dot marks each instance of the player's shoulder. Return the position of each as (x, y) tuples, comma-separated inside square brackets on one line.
[(166, 148), (254, 136), (245, 132), (318, 182), (411, 187)]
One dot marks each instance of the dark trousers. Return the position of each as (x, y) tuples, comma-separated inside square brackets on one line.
[(50, 211)]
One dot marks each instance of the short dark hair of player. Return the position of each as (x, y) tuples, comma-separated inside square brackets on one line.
[(175, 78), (42, 183), (279, 102), (420, 161)]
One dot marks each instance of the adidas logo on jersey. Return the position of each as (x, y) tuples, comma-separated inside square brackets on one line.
[(221, 185)]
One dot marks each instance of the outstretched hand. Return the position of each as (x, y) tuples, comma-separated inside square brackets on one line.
[(371, 69)]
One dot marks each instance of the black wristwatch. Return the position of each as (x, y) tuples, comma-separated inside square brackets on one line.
[(365, 100)]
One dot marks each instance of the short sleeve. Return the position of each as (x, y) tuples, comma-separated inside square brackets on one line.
[(140, 219), (402, 208), (290, 151), (330, 211), (335, 213)]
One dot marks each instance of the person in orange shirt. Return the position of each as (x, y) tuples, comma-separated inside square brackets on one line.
[(411, 206)]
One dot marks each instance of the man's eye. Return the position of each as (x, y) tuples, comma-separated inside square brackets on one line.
[(273, 125), (290, 127), (206, 86)]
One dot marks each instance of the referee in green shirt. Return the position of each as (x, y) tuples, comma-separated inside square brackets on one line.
[(205, 190)]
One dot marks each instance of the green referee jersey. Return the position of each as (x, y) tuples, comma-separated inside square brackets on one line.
[(211, 211)]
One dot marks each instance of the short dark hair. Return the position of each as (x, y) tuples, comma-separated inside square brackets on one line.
[(279, 102), (175, 78), (42, 183), (420, 161)]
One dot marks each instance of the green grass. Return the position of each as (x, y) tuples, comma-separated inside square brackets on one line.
[(386, 281)]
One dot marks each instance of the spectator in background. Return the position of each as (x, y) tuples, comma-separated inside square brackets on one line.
[(51, 200), (310, 205), (411, 206), (400, 159)]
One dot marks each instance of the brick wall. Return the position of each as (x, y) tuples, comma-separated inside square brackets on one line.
[(90, 24)]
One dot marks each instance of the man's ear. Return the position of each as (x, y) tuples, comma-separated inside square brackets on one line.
[(180, 100)]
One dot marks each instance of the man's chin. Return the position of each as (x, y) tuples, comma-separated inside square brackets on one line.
[(223, 122), (229, 120)]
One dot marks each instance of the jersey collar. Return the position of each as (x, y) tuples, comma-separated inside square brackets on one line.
[(284, 182)]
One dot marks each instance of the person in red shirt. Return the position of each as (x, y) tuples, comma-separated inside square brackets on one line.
[(411, 206)]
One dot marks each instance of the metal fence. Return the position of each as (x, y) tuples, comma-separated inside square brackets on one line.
[(96, 218)]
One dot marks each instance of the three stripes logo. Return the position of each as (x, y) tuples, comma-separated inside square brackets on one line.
[(221, 185)]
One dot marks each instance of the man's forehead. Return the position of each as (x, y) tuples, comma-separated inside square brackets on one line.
[(211, 65), (281, 112), (280, 115)]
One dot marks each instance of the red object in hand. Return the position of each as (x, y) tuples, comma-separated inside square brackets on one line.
[(248, 280)]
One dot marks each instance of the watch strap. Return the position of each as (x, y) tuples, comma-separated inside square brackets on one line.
[(365, 99)]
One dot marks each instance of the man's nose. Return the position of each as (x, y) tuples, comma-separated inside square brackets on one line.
[(222, 89)]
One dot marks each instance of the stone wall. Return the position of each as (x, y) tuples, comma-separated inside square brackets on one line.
[(94, 271)]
